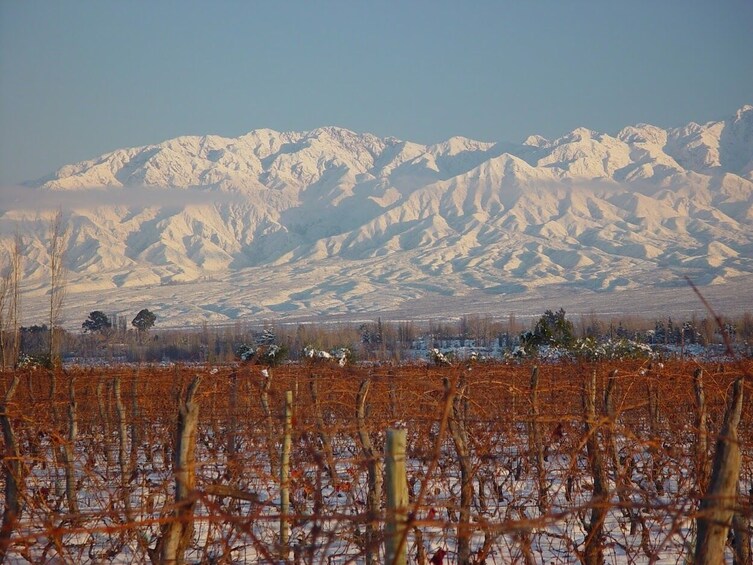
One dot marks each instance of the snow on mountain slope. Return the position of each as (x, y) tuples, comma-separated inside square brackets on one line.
[(336, 221)]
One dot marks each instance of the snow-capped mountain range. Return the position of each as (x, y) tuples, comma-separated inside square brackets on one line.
[(332, 221)]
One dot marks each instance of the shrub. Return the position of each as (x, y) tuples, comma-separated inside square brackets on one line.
[(272, 354), (342, 355), (592, 350), (41, 361), (439, 358)]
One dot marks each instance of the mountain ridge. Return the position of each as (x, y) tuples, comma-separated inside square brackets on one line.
[(696, 147), (362, 214)]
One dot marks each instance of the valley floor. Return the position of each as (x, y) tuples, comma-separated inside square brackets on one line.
[(255, 300)]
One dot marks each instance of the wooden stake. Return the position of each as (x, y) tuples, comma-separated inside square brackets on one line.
[(285, 476), (718, 505), (13, 474), (397, 498), (374, 469), (177, 535)]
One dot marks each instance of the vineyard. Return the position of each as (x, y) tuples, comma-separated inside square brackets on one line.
[(565, 463)]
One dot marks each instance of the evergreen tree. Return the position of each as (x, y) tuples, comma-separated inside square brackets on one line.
[(97, 322), (144, 320), (551, 329)]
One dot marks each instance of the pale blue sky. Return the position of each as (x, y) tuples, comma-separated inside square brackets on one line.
[(78, 79)]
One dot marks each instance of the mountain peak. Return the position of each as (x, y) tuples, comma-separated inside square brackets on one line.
[(334, 131), (745, 112), (459, 144), (261, 132), (536, 141), (579, 134), (642, 133)]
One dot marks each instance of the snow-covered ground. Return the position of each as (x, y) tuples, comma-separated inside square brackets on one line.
[(264, 294)]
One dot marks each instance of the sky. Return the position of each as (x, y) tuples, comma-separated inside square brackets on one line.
[(78, 79)]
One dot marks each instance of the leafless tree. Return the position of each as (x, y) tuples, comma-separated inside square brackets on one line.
[(10, 305), (58, 243), (4, 317)]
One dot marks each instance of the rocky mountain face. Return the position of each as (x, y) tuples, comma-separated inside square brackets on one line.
[(336, 221)]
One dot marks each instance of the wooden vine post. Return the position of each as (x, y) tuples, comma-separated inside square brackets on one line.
[(593, 553), (652, 390), (103, 417), (268, 419), (135, 417), (718, 505), (285, 476), (536, 445), (69, 452), (13, 473), (459, 433), (179, 530), (741, 529), (122, 447), (701, 430), (324, 436), (622, 481), (374, 469), (397, 499), (233, 425)]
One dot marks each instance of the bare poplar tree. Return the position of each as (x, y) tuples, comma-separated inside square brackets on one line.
[(56, 250), (4, 315), (15, 303), (10, 306)]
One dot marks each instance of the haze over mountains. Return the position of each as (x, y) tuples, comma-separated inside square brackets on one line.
[(332, 221)]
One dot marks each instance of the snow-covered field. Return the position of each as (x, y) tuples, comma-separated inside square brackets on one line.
[(255, 296)]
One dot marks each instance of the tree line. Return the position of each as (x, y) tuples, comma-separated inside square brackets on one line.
[(116, 338)]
